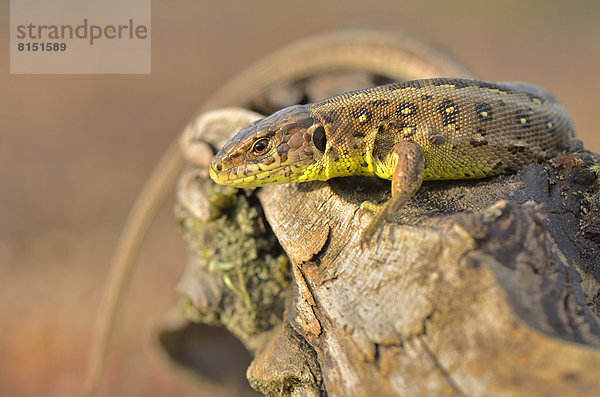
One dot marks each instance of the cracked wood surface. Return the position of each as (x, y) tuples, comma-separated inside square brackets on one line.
[(475, 305)]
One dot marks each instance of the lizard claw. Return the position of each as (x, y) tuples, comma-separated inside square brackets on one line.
[(380, 214), (365, 240), (368, 233)]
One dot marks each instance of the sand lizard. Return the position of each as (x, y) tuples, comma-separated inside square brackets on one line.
[(406, 132)]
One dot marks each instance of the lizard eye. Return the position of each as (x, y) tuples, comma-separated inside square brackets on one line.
[(260, 146), (319, 138)]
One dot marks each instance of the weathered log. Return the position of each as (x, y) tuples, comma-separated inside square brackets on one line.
[(478, 288)]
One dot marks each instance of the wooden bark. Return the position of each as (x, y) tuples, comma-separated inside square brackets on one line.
[(478, 288)]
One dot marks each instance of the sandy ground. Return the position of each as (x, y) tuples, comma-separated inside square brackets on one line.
[(76, 149)]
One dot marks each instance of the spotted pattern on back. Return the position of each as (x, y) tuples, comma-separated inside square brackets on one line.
[(467, 128)]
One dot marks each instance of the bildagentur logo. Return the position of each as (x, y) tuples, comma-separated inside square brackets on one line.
[(75, 36), (85, 31)]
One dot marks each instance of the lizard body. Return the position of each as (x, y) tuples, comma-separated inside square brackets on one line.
[(406, 132)]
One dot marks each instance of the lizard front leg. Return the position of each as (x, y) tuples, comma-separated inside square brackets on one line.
[(408, 162)]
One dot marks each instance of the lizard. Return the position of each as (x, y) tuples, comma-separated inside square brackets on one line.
[(407, 132), (394, 56)]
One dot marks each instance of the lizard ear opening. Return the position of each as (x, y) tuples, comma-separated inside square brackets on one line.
[(319, 138)]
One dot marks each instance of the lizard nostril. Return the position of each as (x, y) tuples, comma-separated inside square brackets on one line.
[(219, 167)]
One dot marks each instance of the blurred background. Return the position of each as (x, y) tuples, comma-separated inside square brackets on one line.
[(76, 149)]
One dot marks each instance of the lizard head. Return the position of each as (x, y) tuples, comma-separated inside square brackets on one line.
[(284, 147)]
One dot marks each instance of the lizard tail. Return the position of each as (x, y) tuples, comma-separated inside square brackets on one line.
[(158, 185)]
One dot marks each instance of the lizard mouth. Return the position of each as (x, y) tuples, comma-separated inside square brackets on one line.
[(241, 177)]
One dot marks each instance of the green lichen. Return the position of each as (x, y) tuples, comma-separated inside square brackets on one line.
[(595, 169), (238, 245), (593, 193)]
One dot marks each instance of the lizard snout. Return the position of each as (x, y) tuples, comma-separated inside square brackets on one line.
[(216, 164)]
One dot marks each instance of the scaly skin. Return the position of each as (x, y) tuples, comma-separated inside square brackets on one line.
[(406, 132)]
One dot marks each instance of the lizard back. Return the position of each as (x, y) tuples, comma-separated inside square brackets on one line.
[(466, 128)]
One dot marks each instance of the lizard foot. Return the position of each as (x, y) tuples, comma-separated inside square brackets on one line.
[(381, 213)]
